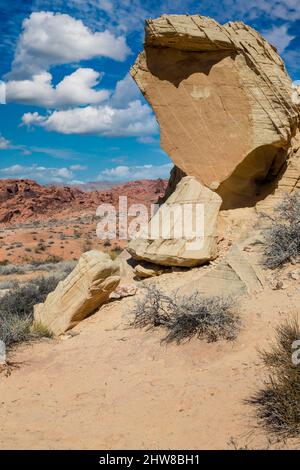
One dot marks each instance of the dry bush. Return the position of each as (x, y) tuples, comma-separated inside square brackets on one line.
[(210, 318), (51, 265), (278, 402), (16, 309), (14, 329), (10, 284), (282, 238), (16, 306), (115, 253)]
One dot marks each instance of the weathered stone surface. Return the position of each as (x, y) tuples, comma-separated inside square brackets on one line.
[(176, 176), (238, 274), (247, 269), (126, 265), (184, 250), (296, 94), (80, 294), (225, 104), (146, 271), (288, 182), (124, 290)]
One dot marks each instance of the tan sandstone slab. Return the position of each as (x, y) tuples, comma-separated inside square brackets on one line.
[(80, 294), (238, 274), (188, 249), (145, 271)]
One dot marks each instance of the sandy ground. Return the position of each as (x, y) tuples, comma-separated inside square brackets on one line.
[(113, 387)]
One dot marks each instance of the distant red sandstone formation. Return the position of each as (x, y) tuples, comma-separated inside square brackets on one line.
[(25, 200)]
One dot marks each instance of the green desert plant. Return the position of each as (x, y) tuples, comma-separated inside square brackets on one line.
[(210, 318), (282, 237), (278, 402)]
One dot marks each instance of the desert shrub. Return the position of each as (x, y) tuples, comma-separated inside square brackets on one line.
[(87, 246), (16, 310), (52, 265), (282, 237), (49, 260), (16, 307), (115, 253), (18, 245), (41, 247), (10, 284), (210, 318), (21, 300), (14, 329), (7, 269), (278, 402)]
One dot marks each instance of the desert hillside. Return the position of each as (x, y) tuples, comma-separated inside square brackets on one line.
[(38, 222), (27, 201)]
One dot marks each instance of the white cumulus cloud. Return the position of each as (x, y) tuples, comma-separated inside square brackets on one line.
[(50, 39), (29, 119), (40, 173), (4, 143), (125, 173), (135, 120), (74, 90), (279, 37)]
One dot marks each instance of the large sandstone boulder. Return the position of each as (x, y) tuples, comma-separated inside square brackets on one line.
[(224, 102), (80, 294), (186, 247)]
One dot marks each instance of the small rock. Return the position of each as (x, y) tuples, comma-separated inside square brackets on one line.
[(123, 291), (276, 284), (64, 337), (295, 274), (3, 292), (146, 271)]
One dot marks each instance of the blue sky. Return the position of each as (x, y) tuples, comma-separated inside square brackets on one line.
[(73, 114)]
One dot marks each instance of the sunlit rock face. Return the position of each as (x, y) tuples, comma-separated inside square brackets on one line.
[(86, 288), (224, 102), (184, 238)]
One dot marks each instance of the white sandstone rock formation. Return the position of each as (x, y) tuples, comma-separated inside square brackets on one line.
[(169, 239), (80, 294)]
